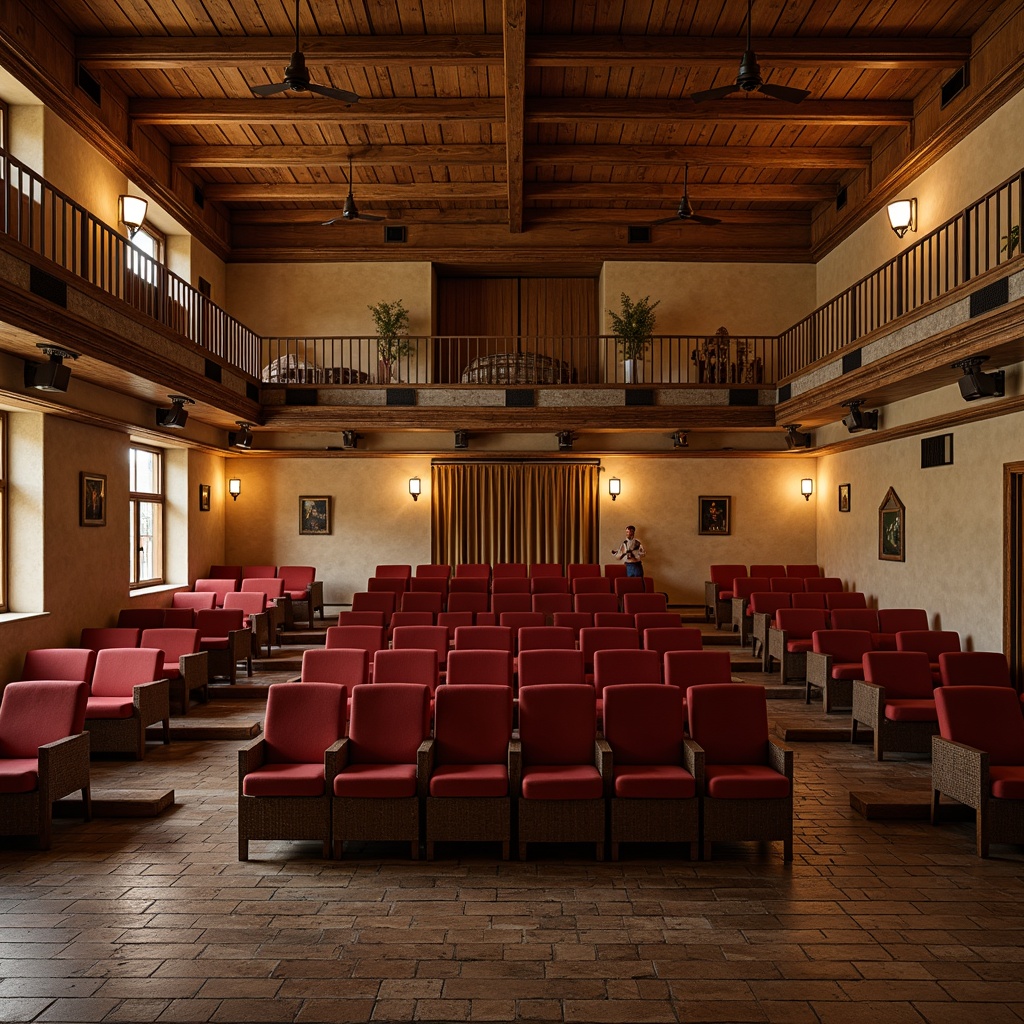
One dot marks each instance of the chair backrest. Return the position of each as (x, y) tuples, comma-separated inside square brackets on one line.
[(388, 722), (36, 712), (615, 570), (477, 570), (845, 599), (269, 585), (574, 620), (217, 587), (896, 620), (472, 724), (347, 618), (546, 638), (173, 642), (260, 572), (581, 570), (98, 638), (140, 618), (593, 603), (968, 668), (823, 585), (769, 601), (805, 571), (787, 584), (503, 603), (612, 668), (179, 618), (344, 666), (614, 619), (556, 665), (984, 717), (479, 667), (218, 622), (606, 638), (844, 645), (379, 601), (433, 570), (623, 585), (932, 641), (190, 599), (396, 585), (557, 724), (744, 586), (508, 570), (808, 599), (546, 569), (120, 669), (800, 623), (251, 602), (451, 620), (468, 601), (730, 722), (673, 638), (549, 585), (303, 721), (429, 585), (421, 601), (514, 585), (692, 668), (643, 724), (399, 619), (402, 571), (590, 585), (517, 620), (639, 603), (855, 618), (366, 638), (407, 665), (768, 570), (225, 572), (906, 675), (656, 620), (722, 575), (296, 577), (434, 638), (483, 638), (550, 604), (74, 664)]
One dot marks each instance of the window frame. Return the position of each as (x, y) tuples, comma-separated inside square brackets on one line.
[(4, 513), (135, 500)]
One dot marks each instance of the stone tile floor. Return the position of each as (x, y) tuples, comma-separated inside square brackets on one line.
[(156, 920)]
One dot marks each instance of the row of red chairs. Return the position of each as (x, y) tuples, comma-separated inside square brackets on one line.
[(481, 585), (501, 570), (312, 775), (719, 588), (286, 585), (752, 615)]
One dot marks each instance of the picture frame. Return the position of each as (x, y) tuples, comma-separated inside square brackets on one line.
[(891, 528), (204, 497), (314, 514), (92, 499), (844, 497), (714, 515)]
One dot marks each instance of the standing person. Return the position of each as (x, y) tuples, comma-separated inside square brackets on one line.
[(632, 551)]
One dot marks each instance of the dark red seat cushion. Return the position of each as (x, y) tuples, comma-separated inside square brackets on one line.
[(798, 646), (847, 670), (285, 780), (654, 781), (744, 782), (562, 782), (376, 781), (110, 707), (1007, 781), (462, 780), (911, 711), (19, 774)]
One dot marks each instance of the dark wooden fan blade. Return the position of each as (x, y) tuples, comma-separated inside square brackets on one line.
[(335, 94), (783, 92), (269, 90), (369, 216), (715, 94), (698, 219), (664, 220)]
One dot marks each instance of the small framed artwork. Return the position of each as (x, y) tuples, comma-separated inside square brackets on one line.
[(844, 497), (204, 497), (93, 499), (714, 515), (891, 528), (314, 514)]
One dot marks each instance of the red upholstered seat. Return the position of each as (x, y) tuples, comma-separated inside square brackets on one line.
[(258, 572), (399, 619), (803, 571), (389, 721), (471, 735), (551, 604), (722, 576), (656, 620), (375, 781), (175, 643), (375, 601), (483, 638), (366, 638), (855, 618), (549, 585), (653, 782), (898, 710), (433, 638), (562, 782), (768, 569), (217, 587), (346, 618), (486, 668), (986, 718), (624, 585), (580, 570), (768, 602), (473, 570), (504, 604), (474, 780), (974, 668), (189, 599), (396, 585), (896, 620), (407, 665), (468, 601), (674, 638), (576, 621), (808, 599), (285, 780), (225, 572), (896, 701), (140, 618), (786, 584), (845, 599), (799, 646), (690, 668), (846, 646), (19, 774), (297, 579), (605, 638), (800, 623), (119, 670), (110, 707), (508, 570), (344, 666), (34, 713), (823, 585), (72, 663), (616, 667), (550, 638), (422, 601), (1007, 782), (744, 782), (639, 603), (590, 585), (593, 603), (614, 619), (97, 639), (546, 570), (932, 642), (540, 667), (615, 570), (433, 570)]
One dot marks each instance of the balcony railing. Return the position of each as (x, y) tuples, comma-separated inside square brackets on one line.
[(983, 236)]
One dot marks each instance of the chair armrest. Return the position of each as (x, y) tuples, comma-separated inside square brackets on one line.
[(424, 763), (331, 763), (604, 762), (780, 757), (819, 668), (693, 761), (240, 643), (868, 702), (960, 772), (64, 766), (515, 767), (315, 595), (250, 757), (342, 754), (152, 701), (194, 669), (777, 642)]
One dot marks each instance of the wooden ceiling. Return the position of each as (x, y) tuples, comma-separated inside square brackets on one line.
[(520, 129)]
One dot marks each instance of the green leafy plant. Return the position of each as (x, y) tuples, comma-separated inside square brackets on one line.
[(392, 322), (1011, 242), (634, 325)]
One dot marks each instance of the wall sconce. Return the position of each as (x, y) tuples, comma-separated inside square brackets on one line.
[(414, 487), (131, 212), (242, 438), (902, 216), (52, 375), (177, 416), (234, 488), (807, 488), (614, 487), (680, 440)]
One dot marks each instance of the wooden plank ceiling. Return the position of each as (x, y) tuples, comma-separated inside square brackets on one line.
[(512, 127)]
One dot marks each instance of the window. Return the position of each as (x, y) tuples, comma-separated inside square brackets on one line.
[(146, 486), (3, 511), (146, 242)]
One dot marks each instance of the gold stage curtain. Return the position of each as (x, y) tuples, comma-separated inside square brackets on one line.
[(514, 512)]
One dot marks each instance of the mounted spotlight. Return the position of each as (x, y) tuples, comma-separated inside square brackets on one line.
[(680, 440), (242, 438), (795, 439), (977, 384), (461, 438), (51, 376), (856, 420), (349, 439), (177, 416), (565, 439)]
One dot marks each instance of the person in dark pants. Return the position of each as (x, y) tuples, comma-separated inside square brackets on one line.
[(632, 552)]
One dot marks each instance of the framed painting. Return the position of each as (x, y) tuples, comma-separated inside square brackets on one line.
[(204, 497), (844, 497), (714, 515), (314, 514), (891, 528), (93, 499)]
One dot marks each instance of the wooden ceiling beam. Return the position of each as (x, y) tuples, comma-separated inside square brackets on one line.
[(314, 156), (514, 33), (570, 191), (416, 191), (837, 157)]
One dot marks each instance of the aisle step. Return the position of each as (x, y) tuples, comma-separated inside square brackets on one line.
[(118, 803)]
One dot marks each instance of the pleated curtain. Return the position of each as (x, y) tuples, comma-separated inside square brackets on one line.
[(509, 511)]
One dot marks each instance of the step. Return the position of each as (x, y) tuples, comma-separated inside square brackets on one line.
[(883, 805), (182, 729), (118, 803), (817, 732)]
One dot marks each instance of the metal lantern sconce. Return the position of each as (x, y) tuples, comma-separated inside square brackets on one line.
[(131, 211), (807, 488), (234, 488), (414, 487), (902, 216), (614, 487)]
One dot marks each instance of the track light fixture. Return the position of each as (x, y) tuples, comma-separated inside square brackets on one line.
[(242, 438), (50, 376), (796, 439), (461, 438), (977, 384), (565, 439), (680, 440), (856, 420), (177, 416), (349, 439)]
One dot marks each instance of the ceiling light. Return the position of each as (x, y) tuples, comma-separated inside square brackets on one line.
[(177, 416), (903, 216), (242, 438), (131, 212), (565, 439), (461, 438), (856, 420), (977, 384), (680, 440), (795, 439), (51, 376)]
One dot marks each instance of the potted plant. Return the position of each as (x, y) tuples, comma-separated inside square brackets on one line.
[(392, 322), (633, 328)]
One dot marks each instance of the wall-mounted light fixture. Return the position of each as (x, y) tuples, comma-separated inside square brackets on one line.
[(565, 439), (903, 216), (349, 439), (241, 438), (807, 488), (131, 212), (796, 439), (234, 488), (50, 376), (614, 487), (856, 419), (414, 487), (975, 383), (680, 440), (177, 416)]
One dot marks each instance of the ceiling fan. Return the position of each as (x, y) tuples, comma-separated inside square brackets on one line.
[(296, 77), (684, 212), (350, 211), (749, 79)]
